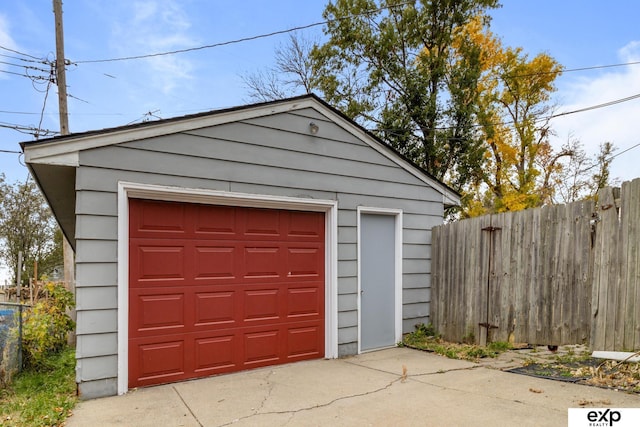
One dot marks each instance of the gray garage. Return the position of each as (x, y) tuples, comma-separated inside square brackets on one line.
[(237, 238)]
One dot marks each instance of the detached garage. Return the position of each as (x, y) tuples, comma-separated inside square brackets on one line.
[(234, 239)]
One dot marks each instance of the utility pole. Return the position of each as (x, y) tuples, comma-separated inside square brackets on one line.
[(61, 79)]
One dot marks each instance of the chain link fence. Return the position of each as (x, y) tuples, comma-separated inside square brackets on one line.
[(10, 339)]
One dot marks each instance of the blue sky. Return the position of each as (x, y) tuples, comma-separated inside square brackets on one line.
[(577, 33)]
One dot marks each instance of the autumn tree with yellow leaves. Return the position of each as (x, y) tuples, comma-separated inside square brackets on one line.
[(430, 79), (514, 110)]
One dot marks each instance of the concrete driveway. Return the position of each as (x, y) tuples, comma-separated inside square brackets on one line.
[(369, 389)]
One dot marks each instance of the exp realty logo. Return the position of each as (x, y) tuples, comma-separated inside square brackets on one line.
[(604, 417)]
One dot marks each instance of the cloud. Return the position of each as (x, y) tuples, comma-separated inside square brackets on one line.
[(631, 52), (619, 124), (5, 40), (153, 26)]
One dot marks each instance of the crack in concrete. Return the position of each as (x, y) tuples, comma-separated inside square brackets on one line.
[(269, 391), (442, 387), (309, 408), (187, 406), (443, 371), (468, 368)]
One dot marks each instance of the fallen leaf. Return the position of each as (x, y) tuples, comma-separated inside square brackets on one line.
[(535, 390), (585, 402)]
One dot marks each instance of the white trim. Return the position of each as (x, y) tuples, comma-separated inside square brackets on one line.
[(48, 152), (122, 134), (397, 214), (128, 190)]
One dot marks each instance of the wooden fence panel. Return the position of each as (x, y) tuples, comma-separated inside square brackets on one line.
[(525, 273), (460, 262), (616, 274), (556, 275)]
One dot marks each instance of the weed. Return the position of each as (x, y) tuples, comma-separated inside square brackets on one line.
[(423, 339), (42, 397), (499, 346), (470, 337), (571, 357), (426, 330)]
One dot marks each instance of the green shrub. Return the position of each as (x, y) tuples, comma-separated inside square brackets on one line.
[(46, 325), (426, 330)]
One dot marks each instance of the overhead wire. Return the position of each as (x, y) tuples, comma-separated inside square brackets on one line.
[(40, 61), (44, 105), (17, 112), (540, 119), (240, 40), (30, 67), (29, 130), (19, 53), (42, 79), (25, 74), (624, 151)]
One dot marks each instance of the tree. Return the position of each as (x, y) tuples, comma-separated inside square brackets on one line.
[(394, 65), (514, 111), (582, 176), (292, 74), (27, 226)]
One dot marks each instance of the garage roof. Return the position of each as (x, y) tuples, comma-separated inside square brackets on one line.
[(53, 161)]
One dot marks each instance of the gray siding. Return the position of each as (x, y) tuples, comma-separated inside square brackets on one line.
[(272, 155)]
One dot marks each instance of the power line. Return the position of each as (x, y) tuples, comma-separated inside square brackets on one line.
[(18, 112), (19, 53), (241, 40), (624, 151), (27, 67), (30, 67), (570, 70), (595, 107), (43, 78), (29, 130), (38, 61), (44, 105), (10, 151)]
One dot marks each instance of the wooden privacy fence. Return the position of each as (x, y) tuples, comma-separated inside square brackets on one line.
[(564, 274)]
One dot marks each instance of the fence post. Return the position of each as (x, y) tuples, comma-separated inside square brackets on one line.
[(20, 338), (19, 278)]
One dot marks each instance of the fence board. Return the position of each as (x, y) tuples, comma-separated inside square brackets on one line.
[(524, 277), (556, 275), (616, 321)]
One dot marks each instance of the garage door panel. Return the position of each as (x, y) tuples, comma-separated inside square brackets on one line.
[(215, 309), (157, 313), (262, 262), (215, 262), (305, 226), (304, 342), (218, 221), (215, 354), (157, 361), (158, 218), (304, 262), (159, 262), (261, 305), (261, 223), (304, 302), (262, 347), (227, 289)]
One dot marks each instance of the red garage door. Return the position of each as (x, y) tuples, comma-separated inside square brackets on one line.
[(217, 289)]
